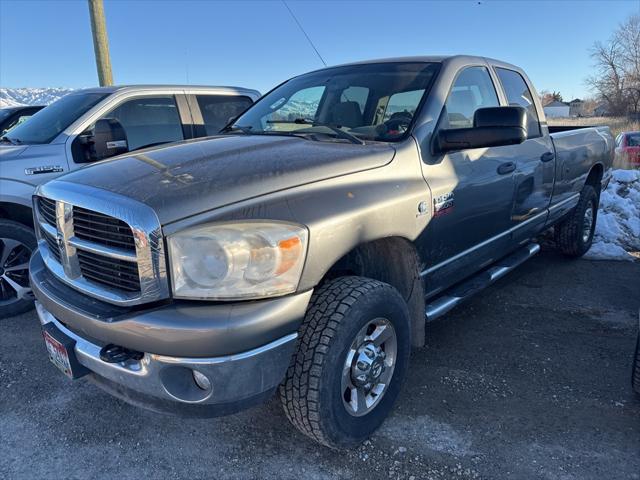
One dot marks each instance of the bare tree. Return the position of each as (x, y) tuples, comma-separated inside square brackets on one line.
[(617, 63)]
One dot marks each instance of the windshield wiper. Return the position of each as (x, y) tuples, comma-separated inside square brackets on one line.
[(335, 129), (236, 128), (12, 141)]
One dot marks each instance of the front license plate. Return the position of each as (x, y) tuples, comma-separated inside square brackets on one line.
[(58, 354)]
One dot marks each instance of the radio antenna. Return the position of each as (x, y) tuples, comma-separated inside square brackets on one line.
[(304, 33)]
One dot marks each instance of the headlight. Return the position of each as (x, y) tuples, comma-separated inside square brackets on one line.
[(237, 260)]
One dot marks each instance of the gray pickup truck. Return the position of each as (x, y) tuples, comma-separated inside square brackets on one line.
[(81, 128), (307, 247)]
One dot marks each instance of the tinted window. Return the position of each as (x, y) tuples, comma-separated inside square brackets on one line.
[(633, 140), (49, 122), (217, 110), (473, 89), (518, 94), (149, 121), (374, 101)]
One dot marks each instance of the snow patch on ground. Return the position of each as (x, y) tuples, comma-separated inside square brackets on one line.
[(618, 228)]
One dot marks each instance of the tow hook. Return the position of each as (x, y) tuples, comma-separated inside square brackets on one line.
[(116, 354)]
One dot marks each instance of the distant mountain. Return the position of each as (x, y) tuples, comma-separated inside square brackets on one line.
[(11, 97)]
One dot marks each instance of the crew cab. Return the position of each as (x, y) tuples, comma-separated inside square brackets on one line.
[(11, 117), (306, 248), (84, 127)]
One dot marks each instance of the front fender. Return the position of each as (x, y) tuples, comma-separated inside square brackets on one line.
[(16, 192), (341, 213)]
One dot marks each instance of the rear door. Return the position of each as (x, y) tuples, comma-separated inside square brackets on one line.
[(535, 162), (211, 112)]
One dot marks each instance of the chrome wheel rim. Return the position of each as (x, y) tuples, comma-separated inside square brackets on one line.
[(14, 272), (587, 224), (368, 367)]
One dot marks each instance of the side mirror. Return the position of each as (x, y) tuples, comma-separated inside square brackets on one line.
[(492, 127), (107, 140)]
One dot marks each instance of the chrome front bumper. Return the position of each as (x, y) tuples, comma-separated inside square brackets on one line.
[(158, 381)]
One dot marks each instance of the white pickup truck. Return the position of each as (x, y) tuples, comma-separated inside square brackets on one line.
[(84, 127)]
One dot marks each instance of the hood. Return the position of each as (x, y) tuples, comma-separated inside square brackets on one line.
[(9, 152), (184, 179)]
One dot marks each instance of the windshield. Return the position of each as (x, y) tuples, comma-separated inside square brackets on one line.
[(369, 102), (49, 122), (5, 112)]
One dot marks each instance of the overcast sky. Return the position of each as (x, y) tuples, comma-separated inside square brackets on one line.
[(257, 44)]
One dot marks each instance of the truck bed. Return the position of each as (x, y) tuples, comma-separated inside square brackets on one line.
[(577, 149), (565, 128)]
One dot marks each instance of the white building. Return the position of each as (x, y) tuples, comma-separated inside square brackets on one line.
[(556, 109)]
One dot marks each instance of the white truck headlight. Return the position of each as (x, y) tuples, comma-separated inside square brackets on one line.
[(237, 260)]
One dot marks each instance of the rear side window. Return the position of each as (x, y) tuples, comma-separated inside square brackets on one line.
[(218, 110), (473, 89), (149, 121), (519, 94)]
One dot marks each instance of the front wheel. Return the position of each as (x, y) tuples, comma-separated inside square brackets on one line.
[(350, 361), (16, 244)]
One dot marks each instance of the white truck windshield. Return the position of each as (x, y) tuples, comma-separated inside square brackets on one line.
[(49, 122)]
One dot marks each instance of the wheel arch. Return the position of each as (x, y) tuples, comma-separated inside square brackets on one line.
[(17, 212), (594, 177), (393, 260)]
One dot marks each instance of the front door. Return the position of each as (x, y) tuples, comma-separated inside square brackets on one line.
[(472, 191), (147, 121)]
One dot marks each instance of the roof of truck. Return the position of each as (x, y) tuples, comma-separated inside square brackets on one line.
[(224, 90), (430, 59)]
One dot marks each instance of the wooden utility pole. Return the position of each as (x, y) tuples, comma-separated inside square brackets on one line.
[(100, 42)]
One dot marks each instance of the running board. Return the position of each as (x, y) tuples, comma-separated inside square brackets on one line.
[(460, 292)]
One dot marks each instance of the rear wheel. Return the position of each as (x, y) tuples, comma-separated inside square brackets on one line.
[(574, 235), (350, 361), (17, 242)]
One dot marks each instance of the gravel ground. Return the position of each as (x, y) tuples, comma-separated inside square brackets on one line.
[(530, 379)]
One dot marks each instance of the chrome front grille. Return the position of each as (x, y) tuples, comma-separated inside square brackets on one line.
[(47, 209), (54, 248), (103, 229), (103, 244), (111, 272)]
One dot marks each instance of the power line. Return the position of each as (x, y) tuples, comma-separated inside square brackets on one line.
[(304, 33)]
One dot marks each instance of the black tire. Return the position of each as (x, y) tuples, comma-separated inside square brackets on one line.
[(569, 233), (312, 393), (10, 304), (635, 374)]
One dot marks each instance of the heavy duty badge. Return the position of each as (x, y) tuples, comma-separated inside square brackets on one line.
[(443, 204)]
